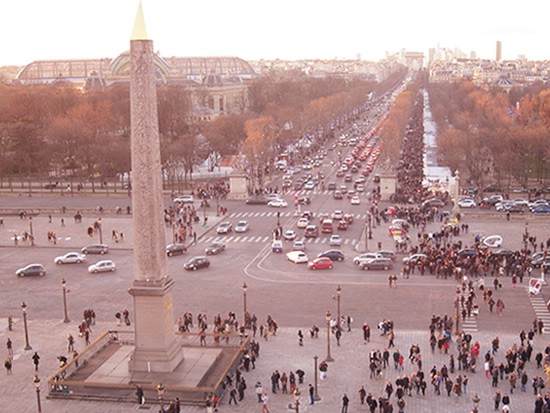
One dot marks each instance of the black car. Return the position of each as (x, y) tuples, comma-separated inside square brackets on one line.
[(467, 252), (334, 255), (175, 249), (215, 248), (377, 264), (196, 263), (504, 253), (95, 249), (257, 200), (31, 270), (516, 209)]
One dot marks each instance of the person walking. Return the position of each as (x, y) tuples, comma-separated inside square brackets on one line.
[(8, 365), (497, 398), (233, 396), (265, 399), (345, 403), (70, 343), (140, 396), (362, 394), (311, 391), (36, 360), (9, 345)]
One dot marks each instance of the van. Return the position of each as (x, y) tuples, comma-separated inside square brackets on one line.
[(277, 246), (327, 227)]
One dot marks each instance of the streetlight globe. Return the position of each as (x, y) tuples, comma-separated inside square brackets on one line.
[(296, 395), (23, 306), (36, 381), (244, 287), (338, 289), (63, 283), (327, 316)]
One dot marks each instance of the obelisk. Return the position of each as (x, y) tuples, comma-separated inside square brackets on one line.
[(156, 349)]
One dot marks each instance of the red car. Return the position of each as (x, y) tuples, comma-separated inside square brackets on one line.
[(320, 264)]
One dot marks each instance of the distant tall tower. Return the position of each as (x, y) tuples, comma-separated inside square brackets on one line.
[(499, 51)]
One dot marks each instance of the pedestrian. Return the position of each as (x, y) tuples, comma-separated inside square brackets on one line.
[(126, 315), (140, 395), (265, 399), (259, 391), (345, 403), (70, 343), (36, 360), (505, 403), (118, 317), (362, 394), (8, 365), (233, 396), (10, 323), (300, 338), (9, 345), (311, 391), (497, 398)]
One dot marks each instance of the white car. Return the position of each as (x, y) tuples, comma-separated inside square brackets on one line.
[(367, 256), (309, 186), (467, 203), (70, 258), (360, 188), (184, 199), (242, 226), (303, 222), (289, 235), (355, 200), (335, 240), (338, 214), (277, 203), (224, 228), (102, 266), (299, 245), (493, 241), (297, 257)]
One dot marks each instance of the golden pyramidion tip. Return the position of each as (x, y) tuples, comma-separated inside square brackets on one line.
[(139, 33)]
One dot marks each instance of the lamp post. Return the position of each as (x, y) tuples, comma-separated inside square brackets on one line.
[(65, 291), (327, 318), (24, 308), (296, 396), (526, 235), (31, 233), (245, 289), (315, 374), (160, 391), (36, 381), (457, 307), (337, 298), (100, 231)]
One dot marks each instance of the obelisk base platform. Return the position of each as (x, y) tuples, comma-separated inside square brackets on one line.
[(156, 350)]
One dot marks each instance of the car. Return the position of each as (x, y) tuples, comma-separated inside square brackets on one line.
[(360, 188), (348, 178), (289, 235), (299, 245), (414, 258), (343, 189), (433, 202), (304, 200), (320, 263), (337, 214), (224, 228), (272, 197), (242, 226), (95, 249), (337, 195), (327, 227), (102, 266), (214, 248), (492, 241), (520, 201), (175, 249), (309, 186), (297, 257), (51, 186), (335, 240), (31, 270), (257, 200), (503, 206), (516, 209), (541, 209), (467, 203), (184, 199), (331, 186), (387, 254), (302, 222), (467, 252), (70, 258), (311, 231), (343, 225), (397, 222), (537, 203), (492, 188), (277, 203), (504, 253), (366, 256), (348, 218), (197, 262), (377, 264), (538, 258), (307, 214), (355, 200), (334, 255), (277, 246)]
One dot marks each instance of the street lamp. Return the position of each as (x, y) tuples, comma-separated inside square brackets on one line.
[(296, 396), (36, 381), (24, 308), (100, 231), (31, 233), (315, 372), (245, 289), (526, 235), (65, 291), (327, 318), (160, 391), (337, 298)]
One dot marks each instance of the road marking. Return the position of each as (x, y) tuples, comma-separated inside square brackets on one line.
[(541, 311)]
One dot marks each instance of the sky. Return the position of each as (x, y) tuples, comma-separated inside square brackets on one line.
[(285, 29)]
